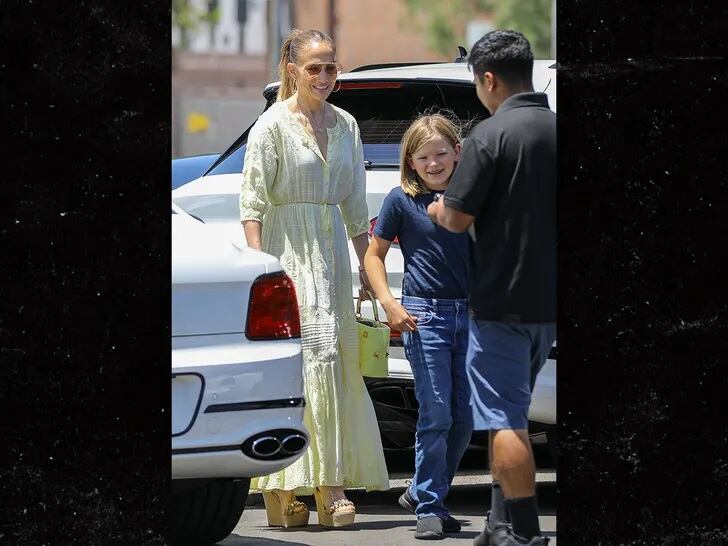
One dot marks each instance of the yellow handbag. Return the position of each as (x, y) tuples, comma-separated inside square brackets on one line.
[(373, 342)]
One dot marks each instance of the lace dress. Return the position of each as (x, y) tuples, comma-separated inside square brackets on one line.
[(308, 207)]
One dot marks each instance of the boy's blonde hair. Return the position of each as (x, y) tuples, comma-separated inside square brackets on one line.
[(422, 130)]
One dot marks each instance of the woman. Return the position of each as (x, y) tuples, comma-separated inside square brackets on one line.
[(303, 193)]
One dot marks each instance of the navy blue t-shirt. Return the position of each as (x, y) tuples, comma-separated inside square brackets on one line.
[(435, 259)]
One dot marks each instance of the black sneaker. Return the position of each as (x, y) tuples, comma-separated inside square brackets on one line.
[(407, 502), (493, 536), (429, 528), (514, 540), (449, 524)]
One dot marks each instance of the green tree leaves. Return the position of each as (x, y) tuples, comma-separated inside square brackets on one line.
[(188, 17), (444, 22)]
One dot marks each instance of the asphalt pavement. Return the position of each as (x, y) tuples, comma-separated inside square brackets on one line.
[(381, 521)]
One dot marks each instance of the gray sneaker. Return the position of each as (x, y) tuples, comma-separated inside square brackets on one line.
[(449, 524), (429, 528)]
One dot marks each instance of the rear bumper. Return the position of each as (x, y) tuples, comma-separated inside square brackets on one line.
[(246, 389), (228, 460), (543, 398)]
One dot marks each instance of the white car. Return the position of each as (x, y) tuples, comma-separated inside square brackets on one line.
[(237, 383), (384, 99)]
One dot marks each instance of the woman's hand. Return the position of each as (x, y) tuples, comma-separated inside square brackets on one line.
[(363, 296), (399, 319), (253, 230), (364, 281)]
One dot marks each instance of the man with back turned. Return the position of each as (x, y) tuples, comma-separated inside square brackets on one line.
[(504, 190)]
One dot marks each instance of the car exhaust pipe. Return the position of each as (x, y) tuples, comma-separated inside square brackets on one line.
[(275, 444), (293, 444), (266, 447)]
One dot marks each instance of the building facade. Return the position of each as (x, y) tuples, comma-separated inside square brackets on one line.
[(220, 69)]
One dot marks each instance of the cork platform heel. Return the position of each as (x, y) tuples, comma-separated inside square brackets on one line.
[(338, 513), (284, 514)]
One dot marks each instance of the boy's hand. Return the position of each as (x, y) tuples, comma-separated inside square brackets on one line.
[(399, 319)]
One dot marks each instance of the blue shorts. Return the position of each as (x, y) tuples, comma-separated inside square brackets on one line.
[(502, 363)]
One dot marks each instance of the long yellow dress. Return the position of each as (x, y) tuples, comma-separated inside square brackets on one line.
[(308, 206)]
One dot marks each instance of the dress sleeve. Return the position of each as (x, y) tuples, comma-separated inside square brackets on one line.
[(259, 172), (354, 207)]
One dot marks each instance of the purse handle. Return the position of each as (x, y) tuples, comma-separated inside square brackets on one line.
[(374, 304)]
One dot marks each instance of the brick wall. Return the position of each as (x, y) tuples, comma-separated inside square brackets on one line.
[(368, 31)]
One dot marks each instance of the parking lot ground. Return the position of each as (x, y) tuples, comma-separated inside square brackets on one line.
[(380, 520)]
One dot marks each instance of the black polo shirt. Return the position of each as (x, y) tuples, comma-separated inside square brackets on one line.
[(506, 178)]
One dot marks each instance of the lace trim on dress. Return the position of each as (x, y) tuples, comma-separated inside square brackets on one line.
[(290, 120)]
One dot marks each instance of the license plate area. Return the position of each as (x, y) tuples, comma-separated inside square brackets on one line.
[(187, 389)]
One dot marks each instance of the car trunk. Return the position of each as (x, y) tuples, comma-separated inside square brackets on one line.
[(208, 273)]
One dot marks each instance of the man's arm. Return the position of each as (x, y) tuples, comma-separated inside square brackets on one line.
[(449, 218), (467, 190)]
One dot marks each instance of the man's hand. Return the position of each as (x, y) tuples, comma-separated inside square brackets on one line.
[(433, 210), (449, 218), (399, 319)]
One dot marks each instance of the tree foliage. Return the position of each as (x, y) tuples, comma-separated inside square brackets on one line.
[(532, 18), (444, 22), (189, 17)]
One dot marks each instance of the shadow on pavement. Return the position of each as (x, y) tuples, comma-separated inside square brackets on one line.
[(312, 528), (239, 540)]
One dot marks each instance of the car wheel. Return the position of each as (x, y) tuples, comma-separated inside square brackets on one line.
[(206, 511)]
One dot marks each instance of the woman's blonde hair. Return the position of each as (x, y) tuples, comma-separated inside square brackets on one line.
[(423, 129), (291, 52)]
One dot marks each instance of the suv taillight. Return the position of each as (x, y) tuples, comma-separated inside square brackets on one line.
[(370, 232), (273, 308)]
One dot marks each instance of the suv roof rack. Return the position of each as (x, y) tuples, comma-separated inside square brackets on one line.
[(462, 55), (391, 65), (461, 58)]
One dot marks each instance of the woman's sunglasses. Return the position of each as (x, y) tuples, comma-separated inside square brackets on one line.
[(314, 69)]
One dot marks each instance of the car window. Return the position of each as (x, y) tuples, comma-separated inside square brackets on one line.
[(384, 114), (233, 163), (185, 169), (384, 111)]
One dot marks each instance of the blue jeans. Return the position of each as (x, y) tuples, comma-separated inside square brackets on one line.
[(504, 359), (436, 353)]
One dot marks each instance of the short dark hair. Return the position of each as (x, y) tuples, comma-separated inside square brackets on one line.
[(505, 53)]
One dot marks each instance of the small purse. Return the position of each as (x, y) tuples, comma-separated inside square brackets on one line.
[(373, 343)]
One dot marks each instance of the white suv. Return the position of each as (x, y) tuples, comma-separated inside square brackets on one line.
[(237, 383), (384, 99)]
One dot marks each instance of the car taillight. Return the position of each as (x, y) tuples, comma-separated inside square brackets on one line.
[(394, 335), (273, 308), (372, 223)]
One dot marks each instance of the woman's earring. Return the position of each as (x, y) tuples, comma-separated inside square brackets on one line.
[(335, 89)]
